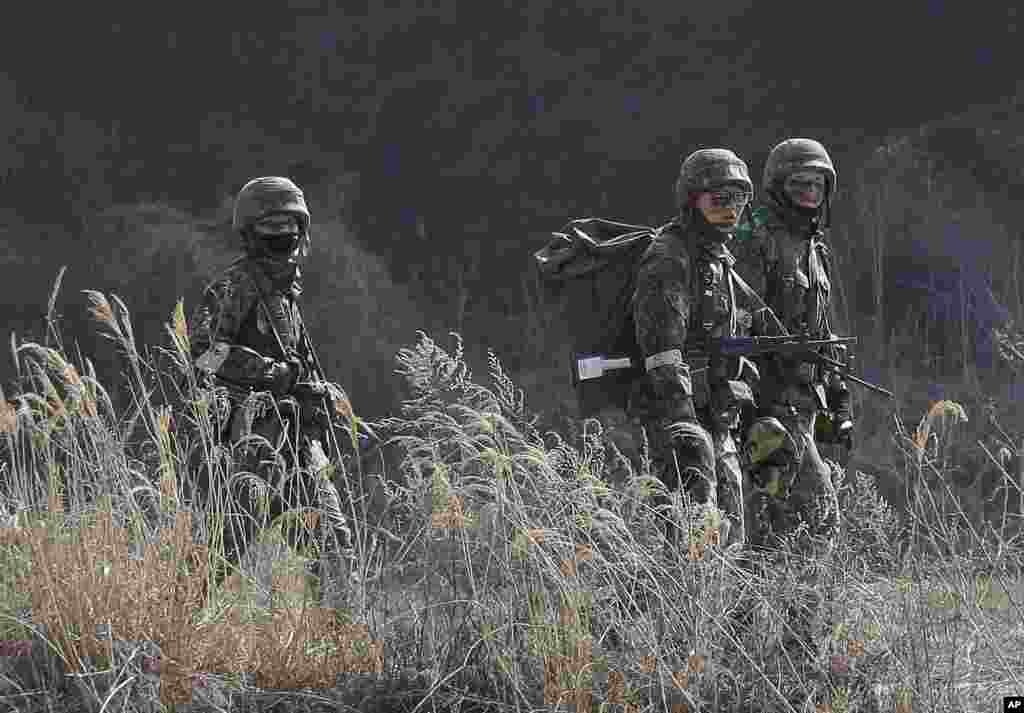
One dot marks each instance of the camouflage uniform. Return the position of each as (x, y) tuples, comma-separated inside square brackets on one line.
[(786, 260), (685, 294), (792, 494), (247, 339)]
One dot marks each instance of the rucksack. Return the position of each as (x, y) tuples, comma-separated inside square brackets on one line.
[(590, 268)]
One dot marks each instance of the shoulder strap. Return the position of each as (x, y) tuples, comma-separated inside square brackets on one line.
[(818, 252), (757, 302), (266, 310)]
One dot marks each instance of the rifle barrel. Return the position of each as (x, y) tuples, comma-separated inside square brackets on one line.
[(749, 346), (868, 385)]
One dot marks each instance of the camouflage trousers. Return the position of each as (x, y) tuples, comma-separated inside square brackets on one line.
[(793, 500), (796, 500), (272, 477), (690, 458)]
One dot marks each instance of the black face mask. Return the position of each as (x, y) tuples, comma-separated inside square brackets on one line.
[(280, 245)]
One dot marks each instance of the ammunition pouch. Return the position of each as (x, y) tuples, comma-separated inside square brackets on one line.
[(827, 429), (795, 369)]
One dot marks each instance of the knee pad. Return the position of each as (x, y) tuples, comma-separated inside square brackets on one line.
[(693, 448)]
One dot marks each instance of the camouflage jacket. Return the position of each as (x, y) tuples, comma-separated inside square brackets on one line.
[(245, 325), (684, 294), (784, 257)]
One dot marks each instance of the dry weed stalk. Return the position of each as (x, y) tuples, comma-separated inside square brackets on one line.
[(8, 417)]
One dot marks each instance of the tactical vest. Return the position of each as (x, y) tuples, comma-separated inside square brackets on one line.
[(274, 323), (800, 287), (714, 313)]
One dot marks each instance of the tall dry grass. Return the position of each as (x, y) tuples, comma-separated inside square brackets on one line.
[(505, 567), (105, 532)]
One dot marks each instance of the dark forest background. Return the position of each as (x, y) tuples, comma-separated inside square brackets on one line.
[(440, 142)]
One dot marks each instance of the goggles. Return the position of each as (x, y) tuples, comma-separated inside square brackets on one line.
[(727, 199), (280, 243)]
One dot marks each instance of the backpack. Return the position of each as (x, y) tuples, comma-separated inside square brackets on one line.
[(590, 267)]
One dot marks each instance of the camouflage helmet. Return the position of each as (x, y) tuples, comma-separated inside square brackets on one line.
[(795, 155), (707, 169), (264, 196)]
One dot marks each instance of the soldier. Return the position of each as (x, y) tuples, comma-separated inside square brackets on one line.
[(684, 295), (249, 341), (792, 494), (786, 260)]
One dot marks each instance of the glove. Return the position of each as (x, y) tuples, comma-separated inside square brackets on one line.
[(727, 400), (284, 375), (320, 400), (838, 397), (844, 434), (306, 390)]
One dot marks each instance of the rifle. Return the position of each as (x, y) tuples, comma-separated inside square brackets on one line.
[(813, 356), (804, 346), (325, 396), (306, 391), (593, 366)]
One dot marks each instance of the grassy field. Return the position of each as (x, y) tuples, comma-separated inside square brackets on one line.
[(500, 567)]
